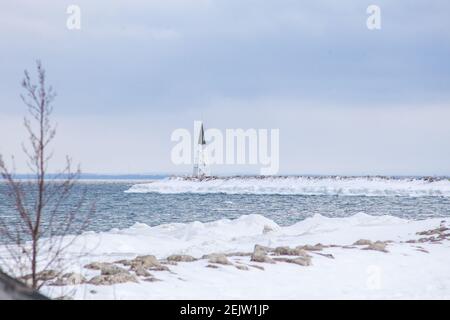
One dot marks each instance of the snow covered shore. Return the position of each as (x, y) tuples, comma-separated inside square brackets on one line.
[(405, 265)]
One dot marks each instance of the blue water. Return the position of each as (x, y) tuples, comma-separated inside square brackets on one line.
[(116, 209)]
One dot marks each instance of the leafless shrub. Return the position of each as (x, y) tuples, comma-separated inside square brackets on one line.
[(45, 212)]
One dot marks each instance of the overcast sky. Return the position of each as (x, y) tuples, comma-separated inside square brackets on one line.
[(347, 100)]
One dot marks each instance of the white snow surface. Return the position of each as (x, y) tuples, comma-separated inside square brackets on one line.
[(402, 273), (291, 185)]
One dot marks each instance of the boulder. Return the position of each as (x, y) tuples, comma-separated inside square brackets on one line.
[(260, 255), (308, 247), (159, 268), (109, 270), (239, 254), (436, 231), (147, 262), (241, 267), (303, 261), (69, 279), (141, 271), (286, 251), (363, 242), (112, 279), (219, 258), (377, 246), (181, 258), (98, 265)]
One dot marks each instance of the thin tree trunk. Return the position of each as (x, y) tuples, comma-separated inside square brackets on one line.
[(44, 218)]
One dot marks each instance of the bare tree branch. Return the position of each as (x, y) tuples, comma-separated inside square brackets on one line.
[(36, 240)]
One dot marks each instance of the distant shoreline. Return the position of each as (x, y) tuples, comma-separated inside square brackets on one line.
[(141, 177), (98, 177)]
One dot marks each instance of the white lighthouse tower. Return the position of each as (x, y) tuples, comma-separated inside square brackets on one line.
[(200, 161)]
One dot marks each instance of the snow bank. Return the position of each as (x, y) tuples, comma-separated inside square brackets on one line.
[(356, 186), (195, 238), (408, 270), (225, 235)]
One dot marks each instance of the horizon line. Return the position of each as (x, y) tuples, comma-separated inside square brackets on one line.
[(107, 176)]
